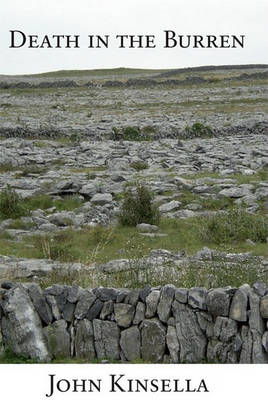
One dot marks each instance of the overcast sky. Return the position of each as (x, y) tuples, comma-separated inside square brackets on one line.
[(111, 17)]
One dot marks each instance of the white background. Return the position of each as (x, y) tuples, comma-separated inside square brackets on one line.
[(32, 382), (84, 17)]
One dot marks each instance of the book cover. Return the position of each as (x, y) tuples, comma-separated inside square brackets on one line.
[(133, 199)]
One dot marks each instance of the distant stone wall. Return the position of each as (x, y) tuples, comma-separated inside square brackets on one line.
[(163, 324)]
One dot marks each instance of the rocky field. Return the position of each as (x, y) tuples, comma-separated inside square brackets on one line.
[(75, 144)]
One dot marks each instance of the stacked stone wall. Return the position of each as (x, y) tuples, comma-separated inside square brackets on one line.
[(162, 324)]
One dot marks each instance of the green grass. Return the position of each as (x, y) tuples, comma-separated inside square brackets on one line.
[(8, 168), (139, 165), (19, 224), (31, 169), (68, 203), (235, 226), (24, 207), (260, 175), (101, 244)]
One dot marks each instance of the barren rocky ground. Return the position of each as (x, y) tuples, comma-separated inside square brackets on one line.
[(73, 142)]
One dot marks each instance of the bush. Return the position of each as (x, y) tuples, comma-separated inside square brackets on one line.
[(10, 204), (139, 165), (235, 226), (130, 133), (138, 207), (199, 130)]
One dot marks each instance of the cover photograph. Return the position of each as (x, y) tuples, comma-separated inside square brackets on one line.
[(133, 198)]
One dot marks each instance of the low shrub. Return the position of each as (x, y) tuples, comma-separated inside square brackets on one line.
[(139, 165), (199, 130), (130, 133), (234, 226), (138, 207), (10, 204)]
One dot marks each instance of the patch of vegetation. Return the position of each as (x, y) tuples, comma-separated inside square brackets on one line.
[(261, 175), (130, 133), (31, 169), (220, 274), (215, 204), (19, 224), (10, 204), (139, 165), (13, 206), (68, 203), (199, 130), (186, 197), (41, 144), (234, 226), (138, 207), (9, 357), (148, 129), (202, 174), (7, 168)]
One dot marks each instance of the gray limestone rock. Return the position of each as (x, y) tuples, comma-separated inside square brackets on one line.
[(259, 355), (184, 183), (197, 298), (2, 349), (21, 325), (144, 292), (255, 320), (84, 340), (205, 321), (94, 310), (106, 336), (235, 192), (39, 302), (74, 293), (192, 340), (151, 303), (130, 343), (265, 341), (247, 344), (218, 302), (139, 314), (165, 302), (171, 206), (239, 304), (260, 288), (107, 309), (219, 352), (88, 190), (132, 297), (64, 218), (153, 340), (147, 228), (68, 311), (264, 307), (225, 329), (58, 339), (102, 198), (54, 307), (181, 295), (86, 300), (105, 294), (173, 344), (123, 314)]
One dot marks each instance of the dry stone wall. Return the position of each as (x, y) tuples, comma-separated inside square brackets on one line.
[(161, 324)]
